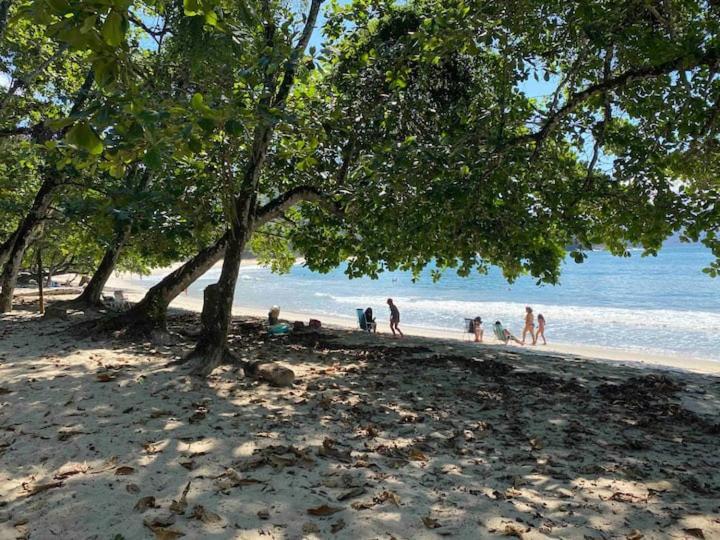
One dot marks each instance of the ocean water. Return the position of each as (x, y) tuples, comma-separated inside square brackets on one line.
[(662, 304)]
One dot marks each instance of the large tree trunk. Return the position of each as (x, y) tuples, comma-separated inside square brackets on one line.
[(151, 312), (23, 236), (92, 294), (217, 309), (6, 247)]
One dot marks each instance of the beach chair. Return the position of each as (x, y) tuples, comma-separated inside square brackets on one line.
[(120, 301), (362, 322), (499, 332), (469, 329)]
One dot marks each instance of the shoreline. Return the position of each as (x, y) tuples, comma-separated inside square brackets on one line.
[(605, 354)]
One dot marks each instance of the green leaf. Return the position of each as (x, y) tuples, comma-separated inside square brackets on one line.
[(83, 136), (233, 127), (59, 7), (207, 124), (191, 7), (195, 145), (117, 170), (106, 72), (153, 158), (60, 123), (88, 24), (197, 101), (211, 18), (113, 29)]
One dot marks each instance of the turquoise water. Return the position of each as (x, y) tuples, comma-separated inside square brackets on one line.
[(662, 304)]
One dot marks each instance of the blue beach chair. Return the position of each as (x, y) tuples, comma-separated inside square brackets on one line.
[(362, 321)]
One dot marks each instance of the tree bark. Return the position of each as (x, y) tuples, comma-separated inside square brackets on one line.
[(6, 248), (217, 309), (92, 294), (23, 236)]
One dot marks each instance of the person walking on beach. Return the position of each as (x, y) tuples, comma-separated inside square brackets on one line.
[(394, 318), (541, 329), (529, 325)]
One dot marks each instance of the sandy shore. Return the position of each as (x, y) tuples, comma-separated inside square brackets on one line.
[(102, 438), (698, 365)]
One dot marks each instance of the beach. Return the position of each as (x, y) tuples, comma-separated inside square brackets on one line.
[(425, 437), (135, 288)]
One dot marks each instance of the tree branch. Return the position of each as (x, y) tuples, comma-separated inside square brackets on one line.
[(25, 82), (607, 117), (10, 132), (276, 208), (155, 34), (620, 81), (83, 94), (297, 53), (4, 11)]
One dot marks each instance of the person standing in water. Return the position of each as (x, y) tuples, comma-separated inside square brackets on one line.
[(394, 318), (541, 329), (529, 325)]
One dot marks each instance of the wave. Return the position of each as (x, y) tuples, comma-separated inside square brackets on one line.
[(557, 315)]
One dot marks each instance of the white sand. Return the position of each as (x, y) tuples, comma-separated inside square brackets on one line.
[(417, 445)]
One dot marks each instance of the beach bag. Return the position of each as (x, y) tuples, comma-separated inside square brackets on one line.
[(298, 325), (314, 323), (279, 329)]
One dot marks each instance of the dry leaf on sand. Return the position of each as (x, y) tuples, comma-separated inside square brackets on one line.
[(695, 533), (165, 534), (151, 449), (68, 471), (378, 499), (417, 455), (337, 526), (513, 530), (179, 506), (145, 503), (159, 525), (431, 523), (324, 510), (39, 488), (209, 518), (536, 443), (355, 492), (124, 470)]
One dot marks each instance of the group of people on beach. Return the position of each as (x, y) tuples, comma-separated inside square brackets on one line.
[(503, 334)]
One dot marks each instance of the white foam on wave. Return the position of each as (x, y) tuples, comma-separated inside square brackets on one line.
[(558, 315)]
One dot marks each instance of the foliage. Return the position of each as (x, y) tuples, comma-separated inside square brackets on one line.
[(413, 135)]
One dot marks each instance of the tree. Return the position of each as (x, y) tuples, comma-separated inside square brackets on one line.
[(518, 180)]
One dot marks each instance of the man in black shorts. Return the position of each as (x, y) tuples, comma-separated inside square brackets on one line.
[(394, 318)]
